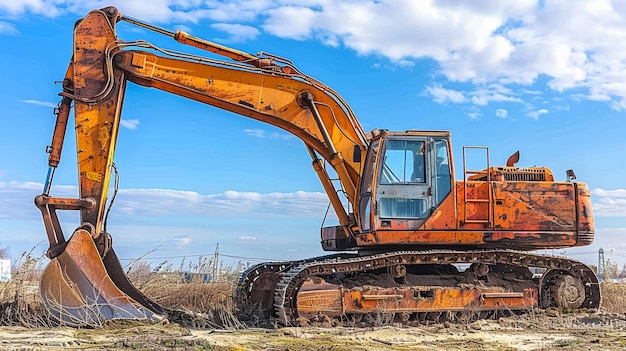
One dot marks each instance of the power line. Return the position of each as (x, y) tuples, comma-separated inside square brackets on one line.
[(610, 253), (201, 255)]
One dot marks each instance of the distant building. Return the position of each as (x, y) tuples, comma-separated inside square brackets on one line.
[(5, 269)]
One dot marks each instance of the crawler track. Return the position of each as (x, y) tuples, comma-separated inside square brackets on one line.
[(566, 283)]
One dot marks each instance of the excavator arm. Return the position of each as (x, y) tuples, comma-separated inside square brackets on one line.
[(84, 283)]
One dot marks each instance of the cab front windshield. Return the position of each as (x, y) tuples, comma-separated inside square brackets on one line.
[(404, 162)]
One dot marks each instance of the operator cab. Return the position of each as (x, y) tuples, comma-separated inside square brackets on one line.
[(406, 177)]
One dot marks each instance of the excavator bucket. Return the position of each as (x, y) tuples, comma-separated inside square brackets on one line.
[(81, 289)]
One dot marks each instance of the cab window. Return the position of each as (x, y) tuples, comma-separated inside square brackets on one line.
[(404, 162), (444, 179)]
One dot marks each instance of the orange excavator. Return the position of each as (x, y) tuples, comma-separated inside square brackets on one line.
[(413, 241)]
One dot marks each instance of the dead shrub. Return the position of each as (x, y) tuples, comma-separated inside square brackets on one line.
[(613, 297), (188, 295), (195, 297), (198, 294), (20, 304)]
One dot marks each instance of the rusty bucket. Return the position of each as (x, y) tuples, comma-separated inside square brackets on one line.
[(80, 288)]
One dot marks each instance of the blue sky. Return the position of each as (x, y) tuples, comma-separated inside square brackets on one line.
[(542, 77)]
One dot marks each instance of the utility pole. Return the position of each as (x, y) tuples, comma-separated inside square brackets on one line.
[(216, 261), (601, 270)]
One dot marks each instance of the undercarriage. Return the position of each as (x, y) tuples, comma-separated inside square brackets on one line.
[(416, 285)]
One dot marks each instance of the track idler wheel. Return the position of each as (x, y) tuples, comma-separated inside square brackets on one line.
[(480, 269), (568, 292), (398, 272)]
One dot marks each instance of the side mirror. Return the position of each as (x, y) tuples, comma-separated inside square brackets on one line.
[(570, 175)]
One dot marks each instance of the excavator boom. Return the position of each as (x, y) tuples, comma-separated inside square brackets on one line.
[(409, 221), (268, 89)]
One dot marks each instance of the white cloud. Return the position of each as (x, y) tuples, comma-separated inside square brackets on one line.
[(130, 123), (609, 203), (502, 113), (295, 22), (166, 202), (570, 43), (40, 103), (474, 115), (619, 105), (237, 32), (16, 201), (15, 8), (442, 95), (562, 108), (7, 28), (536, 114), (183, 28), (480, 95), (620, 193), (483, 95), (258, 133), (183, 241), (261, 133), (16, 198), (174, 207)]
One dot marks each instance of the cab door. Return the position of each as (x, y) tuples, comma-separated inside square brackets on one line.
[(403, 195)]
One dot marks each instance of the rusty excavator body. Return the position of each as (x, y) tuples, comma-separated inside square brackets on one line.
[(413, 241)]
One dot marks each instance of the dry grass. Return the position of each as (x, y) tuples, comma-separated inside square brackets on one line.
[(196, 294), (195, 287), (19, 298), (189, 299), (613, 297)]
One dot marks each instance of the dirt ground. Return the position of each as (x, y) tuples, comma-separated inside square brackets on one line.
[(535, 331)]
